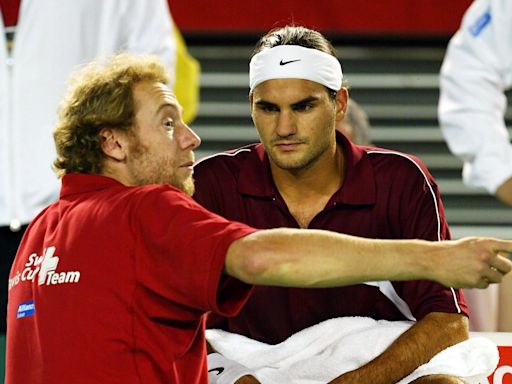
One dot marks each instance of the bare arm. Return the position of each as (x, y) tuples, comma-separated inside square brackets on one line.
[(418, 345), (313, 258)]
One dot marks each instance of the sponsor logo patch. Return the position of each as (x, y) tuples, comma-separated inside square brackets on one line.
[(25, 309)]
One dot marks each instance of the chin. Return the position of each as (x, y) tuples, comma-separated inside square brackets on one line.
[(187, 186), (291, 161), (290, 164), (189, 189)]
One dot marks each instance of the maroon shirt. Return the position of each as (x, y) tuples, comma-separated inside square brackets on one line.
[(385, 194)]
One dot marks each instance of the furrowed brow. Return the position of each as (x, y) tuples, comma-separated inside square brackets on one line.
[(310, 99), (263, 103)]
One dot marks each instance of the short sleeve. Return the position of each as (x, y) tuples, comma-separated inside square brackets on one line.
[(182, 252), (422, 217)]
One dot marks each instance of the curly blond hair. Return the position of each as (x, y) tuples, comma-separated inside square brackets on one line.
[(101, 96)]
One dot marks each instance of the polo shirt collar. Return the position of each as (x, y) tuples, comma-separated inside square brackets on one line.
[(74, 183), (255, 175), (358, 188)]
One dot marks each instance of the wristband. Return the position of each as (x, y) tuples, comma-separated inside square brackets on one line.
[(225, 371)]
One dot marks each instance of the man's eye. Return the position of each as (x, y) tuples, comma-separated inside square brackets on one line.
[(268, 108), (169, 124), (303, 107)]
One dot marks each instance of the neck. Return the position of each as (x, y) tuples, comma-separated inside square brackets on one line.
[(117, 172), (321, 178)]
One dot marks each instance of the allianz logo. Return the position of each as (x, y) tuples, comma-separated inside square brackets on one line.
[(44, 269), (26, 307)]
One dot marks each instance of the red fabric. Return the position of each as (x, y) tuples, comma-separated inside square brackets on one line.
[(343, 16), (150, 262), (10, 11), (383, 196)]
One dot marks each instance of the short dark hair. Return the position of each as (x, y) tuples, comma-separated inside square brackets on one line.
[(294, 35)]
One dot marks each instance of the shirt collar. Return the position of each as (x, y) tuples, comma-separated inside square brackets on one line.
[(358, 187), (74, 183)]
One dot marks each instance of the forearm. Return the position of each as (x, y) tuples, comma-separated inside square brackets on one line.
[(415, 347), (314, 258), (310, 258)]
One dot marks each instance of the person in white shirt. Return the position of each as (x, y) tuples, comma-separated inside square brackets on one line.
[(475, 74)]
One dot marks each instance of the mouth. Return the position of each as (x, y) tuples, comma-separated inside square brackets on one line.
[(287, 146), (187, 165)]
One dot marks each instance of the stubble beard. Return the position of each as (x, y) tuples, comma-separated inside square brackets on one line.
[(309, 157), (144, 169), (187, 186)]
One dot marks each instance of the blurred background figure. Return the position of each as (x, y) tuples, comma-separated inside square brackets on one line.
[(355, 125), (187, 76), (476, 71), (43, 41)]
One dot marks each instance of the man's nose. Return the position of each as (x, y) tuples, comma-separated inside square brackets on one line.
[(286, 124), (189, 139)]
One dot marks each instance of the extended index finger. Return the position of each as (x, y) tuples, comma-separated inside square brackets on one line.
[(503, 246), (501, 263)]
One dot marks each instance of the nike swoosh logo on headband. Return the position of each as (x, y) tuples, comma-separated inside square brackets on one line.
[(287, 62), (217, 370)]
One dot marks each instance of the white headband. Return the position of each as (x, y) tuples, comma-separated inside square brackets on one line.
[(295, 62)]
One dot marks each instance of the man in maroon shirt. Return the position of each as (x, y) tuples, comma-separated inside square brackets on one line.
[(306, 175)]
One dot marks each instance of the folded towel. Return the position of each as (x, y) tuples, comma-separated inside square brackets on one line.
[(319, 354)]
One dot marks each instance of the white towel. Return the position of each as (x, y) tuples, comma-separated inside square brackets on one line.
[(319, 354)]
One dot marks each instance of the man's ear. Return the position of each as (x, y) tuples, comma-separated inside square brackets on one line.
[(114, 143), (341, 103)]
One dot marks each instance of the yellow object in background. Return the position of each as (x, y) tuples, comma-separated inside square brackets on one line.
[(188, 72)]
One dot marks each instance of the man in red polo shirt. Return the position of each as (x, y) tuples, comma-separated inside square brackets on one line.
[(304, 174), (111, 283)]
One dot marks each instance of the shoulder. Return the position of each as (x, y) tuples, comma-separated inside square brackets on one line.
[(158, 191), (154, 197), (231, 160), (402, 160), (161, 205), (232, 156), (398, 164)]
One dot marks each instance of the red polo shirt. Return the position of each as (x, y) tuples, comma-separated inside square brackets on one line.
[(110, 285), (385, 194)]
